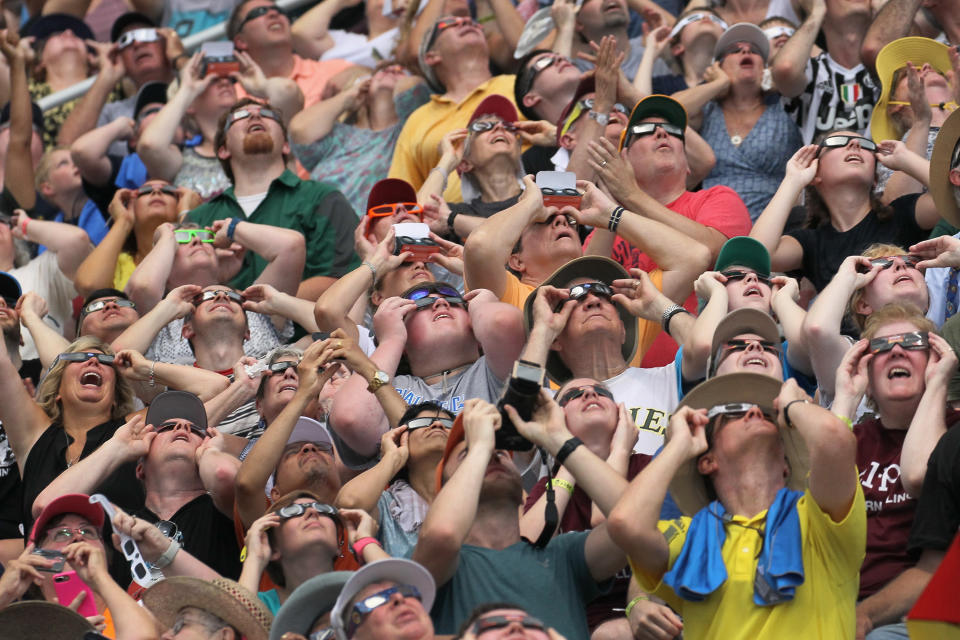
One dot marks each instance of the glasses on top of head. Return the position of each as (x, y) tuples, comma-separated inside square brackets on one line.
[(186, 236), (241, 114), (66, 534), (164, 189), (137, 35), (390, 209), (253, 14), (885, 262), (732, 275), (839, 141), (573, 394), (170, 425), (479, 126), (97, 305), (297, 509), (645, 129), (204, 296), (422, 423), (83, 356), (364, 607), (492, 623), (913, 340)]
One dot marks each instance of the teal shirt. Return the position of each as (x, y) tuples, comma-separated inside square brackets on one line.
[(315, 209), (271, 599)]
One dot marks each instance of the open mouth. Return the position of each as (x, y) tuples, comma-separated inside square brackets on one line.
[(181, 436), (288, 387), (853, 157), (565, 233), (143, 56), (898, 372), (91, 379), (755, 361), (442, 315), (500, 138), (903, 278), (752, 291), (593, 404), (256, 126)]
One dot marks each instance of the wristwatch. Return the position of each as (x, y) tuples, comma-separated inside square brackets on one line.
[(601, 118), (379, 379)]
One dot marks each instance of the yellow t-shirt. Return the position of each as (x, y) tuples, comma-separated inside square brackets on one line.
[(123, 270), (418, 147), (822, 607)]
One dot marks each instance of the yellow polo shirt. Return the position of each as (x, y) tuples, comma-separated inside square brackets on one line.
[(822, 607)]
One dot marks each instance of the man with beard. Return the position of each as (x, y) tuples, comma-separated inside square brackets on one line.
[(252, 146)]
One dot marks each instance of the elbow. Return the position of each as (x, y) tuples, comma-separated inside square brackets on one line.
[(705, 257), (39, 504), (869, 51), (622, 525), (815, 331), (912, 478)]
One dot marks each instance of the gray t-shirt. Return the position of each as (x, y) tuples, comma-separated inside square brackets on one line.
[(476, 381)]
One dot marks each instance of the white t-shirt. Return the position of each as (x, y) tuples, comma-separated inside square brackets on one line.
[(650, 396), (249, 204), (42, 275), (355, 48)]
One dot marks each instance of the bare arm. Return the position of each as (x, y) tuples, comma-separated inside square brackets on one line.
[(49, 342), (508, 20), (148, 282), (696, 351), (498, 327), (893, 21), (789, 65), (316, 121), (283, 249), (310, 32), (784, 303), (218, 471), (700, 157), (200, 382), (18, 167), (89, 150), (22, 418), (84, 116), (70, 243), (695, 98), (142, 333), (97, 269), (363, 491), (897, 597)]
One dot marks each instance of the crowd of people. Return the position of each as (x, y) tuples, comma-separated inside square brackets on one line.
[(416, 319)]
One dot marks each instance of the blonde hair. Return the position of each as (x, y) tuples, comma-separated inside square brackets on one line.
[(49, 391), (878, 250), (897, 312), (45, 165)]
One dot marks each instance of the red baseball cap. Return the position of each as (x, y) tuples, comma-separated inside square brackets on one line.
[(390, 191), (78, 503), (496, 105)]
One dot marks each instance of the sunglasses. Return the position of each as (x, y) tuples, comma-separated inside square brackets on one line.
[(65, 534), (428, 301), (645, 129), (914, 340), (492, 623), (886, 262), (775, 32), (171, 425), (232, 296), (297, 509), (423, 292), (587, 103), (164, 189), (742, 344), (296, 447), (186, 236), (696, 17), (836, 142), (573, 394), (382, 210), (241, 114), (97, 305), (137, 35), (447, 23), (365, 607), (741, 47), (733, 275), (170, 529), (280, 367), (535, 68), (733, 411), (256, 13), (480, 126), (580, 291), (83, 356), (422, 423)]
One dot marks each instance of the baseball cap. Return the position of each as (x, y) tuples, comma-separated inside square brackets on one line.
[(43, 27), (656, 105), (78, 503), (306, 430), (177, 405), (744, 251), (397, 570), (150, 93), (308, 602), (737, 323), (127, 19), (389, 191), (9, 287), (743, 32), (495, 105)]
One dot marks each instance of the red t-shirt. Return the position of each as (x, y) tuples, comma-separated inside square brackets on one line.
[(717, 207)]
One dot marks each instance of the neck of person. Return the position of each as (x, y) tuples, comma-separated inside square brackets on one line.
[(442, 360), (13, 348), (743, 97), (253, 174), (534, 273), (144, 236), (467, 73), (496, 526), (582, 40), (498, 180), (750, 486), (844, 38), (745, 11), (377, 24), (275, 60), (175, 486), (848, 204), (218, 353), (696, 59), (161, 74), (79, 418), (381, 110), (422, 475), (665, 187), (68, 71), (602, 360), (208, 132), (70, 203), (312, 562), (897, 414)]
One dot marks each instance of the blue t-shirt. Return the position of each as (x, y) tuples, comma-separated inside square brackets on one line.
[(90, 220)]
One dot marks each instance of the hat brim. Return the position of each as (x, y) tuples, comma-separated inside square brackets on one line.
[(308, 602), (45, 26), (39, 620), (496, 105), (688, 488), (397, 570), (743, 32), (78, 503), (744, 251), (892, 57), (940, 187), (602, 270), (177, 405), (170, 596), (655, 105), (738, 322)]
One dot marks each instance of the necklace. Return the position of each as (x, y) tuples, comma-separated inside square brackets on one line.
[(76, 458), (741, 120)]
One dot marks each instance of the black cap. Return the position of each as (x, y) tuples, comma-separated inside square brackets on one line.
[(150, 93), (172, 405), (105, 293), (9, 287), (127, 19), (36, 115), (43, 27)]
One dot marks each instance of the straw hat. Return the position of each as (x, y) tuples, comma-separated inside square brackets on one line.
[(223, 598), (940, 187), (39, 620)]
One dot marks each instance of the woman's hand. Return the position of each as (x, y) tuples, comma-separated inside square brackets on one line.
[(802, 167)]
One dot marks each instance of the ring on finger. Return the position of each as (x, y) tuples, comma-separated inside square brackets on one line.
[(603, 164)]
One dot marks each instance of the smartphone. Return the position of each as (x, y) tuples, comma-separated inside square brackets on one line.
[(68, 586), (56, 556), (559, 189), (218, 58)]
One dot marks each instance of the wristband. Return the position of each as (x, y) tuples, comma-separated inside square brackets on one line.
[(563, 484), (615, 216), (568, 448), (602, 119), (786, 412), (373, 270), (361, 544), (168, 555), (486, 18), (845, 420), (668, 314), (634, 602), (23, 226), (232, 228)]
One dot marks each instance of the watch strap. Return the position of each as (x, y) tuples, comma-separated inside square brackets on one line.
[(568, 447)]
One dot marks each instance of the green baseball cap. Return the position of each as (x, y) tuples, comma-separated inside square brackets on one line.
[(656, 105), (744, 251)]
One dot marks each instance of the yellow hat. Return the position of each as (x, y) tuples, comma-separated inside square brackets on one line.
[(894, 56)]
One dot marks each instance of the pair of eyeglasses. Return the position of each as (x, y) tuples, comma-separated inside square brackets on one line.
[(579, 292), (170, 529), (742, 47), (66, 534), (423, 292), (97, 305), (280, 367), (535, 68), (382, 210), (429, 301), (742, 344), (775, 32), (296, 447), (587, 103), (256, 13), (422, 423), (232, 296), (573, 394), (171, 425), (837, 142), (733, 275), (737, 410), (581, 107), (137, 35), (479, 126), (548, 191), (449, 22), (365, 607), (886, 262), (913, 340), (241, 114), (297, 509), (696, 17), (492, 623), (83, 356), (645, 129), (186, 236), (164, 189)]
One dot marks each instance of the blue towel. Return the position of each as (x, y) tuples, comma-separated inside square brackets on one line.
[(699, 569)]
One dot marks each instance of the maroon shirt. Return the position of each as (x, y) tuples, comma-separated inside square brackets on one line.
[(576, 517), (890, 509)]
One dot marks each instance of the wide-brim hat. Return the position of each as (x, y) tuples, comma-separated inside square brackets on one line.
[(655, 105), (224, 598), (743, 32), (738, 322), (940, 187), (177, 405), (892, 57), (744, 251), (599, 269), (397, 570), (41, 620), (43, 27), (688, 487), (308, 602), (78, 503)]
